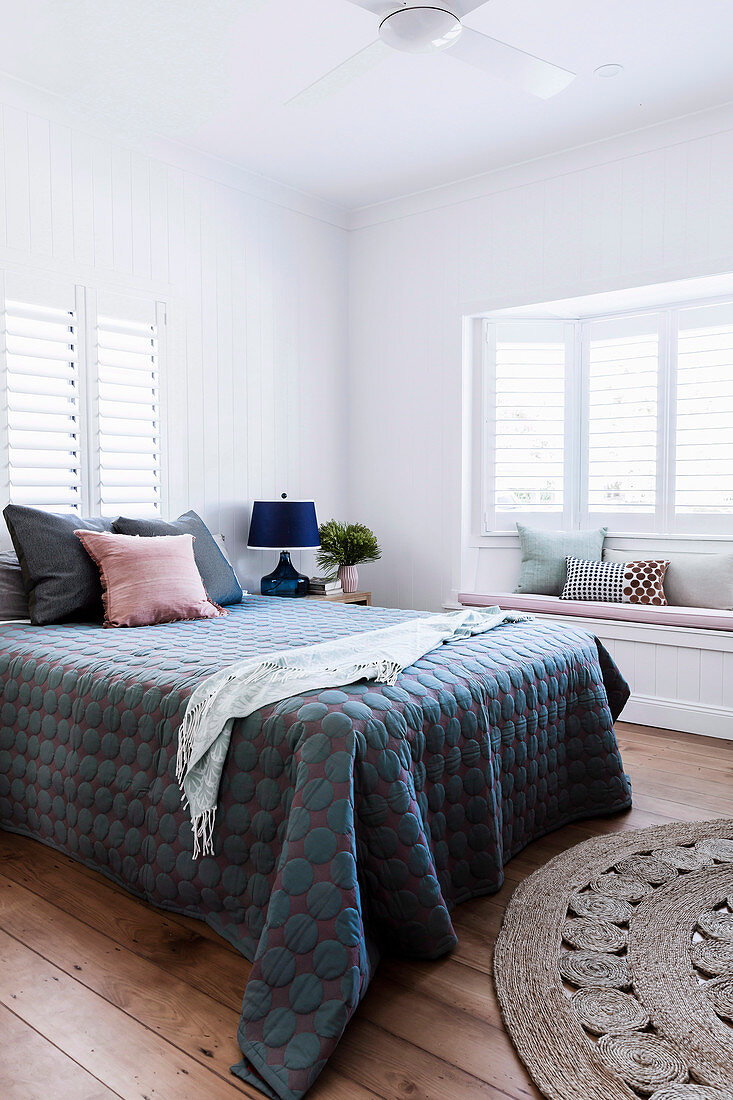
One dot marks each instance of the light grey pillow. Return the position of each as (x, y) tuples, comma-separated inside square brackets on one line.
[(544, 567), (692, 580), (13, 598)]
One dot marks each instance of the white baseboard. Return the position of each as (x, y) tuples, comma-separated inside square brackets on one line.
[(675, 714)]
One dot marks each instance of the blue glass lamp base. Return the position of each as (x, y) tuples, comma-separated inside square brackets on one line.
[(284, 580)]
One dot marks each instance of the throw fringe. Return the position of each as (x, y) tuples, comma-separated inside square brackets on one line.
[(215, 704), (383, 671), (203, 833), (195, 715)]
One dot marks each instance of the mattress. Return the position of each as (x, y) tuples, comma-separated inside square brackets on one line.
[(351, 822)]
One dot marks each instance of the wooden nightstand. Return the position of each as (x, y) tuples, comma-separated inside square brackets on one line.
[(362, 598)]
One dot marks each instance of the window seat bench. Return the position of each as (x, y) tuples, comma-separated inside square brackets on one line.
[(696, 618)]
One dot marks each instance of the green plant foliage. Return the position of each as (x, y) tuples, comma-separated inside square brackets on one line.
[(345, 544)]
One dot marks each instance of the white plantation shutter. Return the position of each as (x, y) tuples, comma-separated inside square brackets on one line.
[(624, 420), (129, 423), (704, 420), (43, 406), (80, 375), (622, 423), (526, 418)]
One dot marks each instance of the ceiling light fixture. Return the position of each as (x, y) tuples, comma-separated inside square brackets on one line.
[(606, 72), (431, 28), (420, 30)]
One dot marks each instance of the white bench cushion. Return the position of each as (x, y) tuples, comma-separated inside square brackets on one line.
[(704, 618), (692, 580)]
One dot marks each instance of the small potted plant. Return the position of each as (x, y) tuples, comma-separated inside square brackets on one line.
[(343, 547)]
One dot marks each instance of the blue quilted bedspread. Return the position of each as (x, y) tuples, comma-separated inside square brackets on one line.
[(350, 821)]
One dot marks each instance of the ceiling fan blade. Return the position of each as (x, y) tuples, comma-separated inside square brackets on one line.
[(464, 7), (380, 7), (342, 75), (387, 7), (539, 77)]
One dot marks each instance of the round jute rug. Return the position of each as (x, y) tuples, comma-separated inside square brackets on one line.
[(614, 967)]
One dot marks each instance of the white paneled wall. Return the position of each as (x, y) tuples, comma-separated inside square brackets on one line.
[(648, 208), (256, 301)]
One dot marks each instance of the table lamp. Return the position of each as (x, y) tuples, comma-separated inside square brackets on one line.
[(283, 523)]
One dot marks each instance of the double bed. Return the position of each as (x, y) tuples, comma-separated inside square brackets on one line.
[(350, 821)]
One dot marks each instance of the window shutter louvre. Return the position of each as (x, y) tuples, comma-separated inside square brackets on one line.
[(43, 407), (704, 451), (128, 417), (623, 380), (528, 419)]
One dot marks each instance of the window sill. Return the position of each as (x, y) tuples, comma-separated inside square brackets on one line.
[(499, 539)]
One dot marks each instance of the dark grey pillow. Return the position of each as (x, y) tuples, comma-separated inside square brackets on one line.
[(61, 580), (219, 578), (13, 600)]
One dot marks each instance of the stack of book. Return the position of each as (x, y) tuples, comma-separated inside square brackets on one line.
[(320, 586)]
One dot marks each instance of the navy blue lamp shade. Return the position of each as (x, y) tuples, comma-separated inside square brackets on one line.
[(276, 524)]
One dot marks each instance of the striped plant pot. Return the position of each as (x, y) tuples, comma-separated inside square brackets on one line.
[(349, 578)]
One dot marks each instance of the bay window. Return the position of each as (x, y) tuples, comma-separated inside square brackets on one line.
[(624, 421)]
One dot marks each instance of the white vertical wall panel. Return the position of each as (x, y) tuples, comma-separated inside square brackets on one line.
[(17, 182), (711, 677), (82, 191), (103, 206), (3, 183), (122, 210), (631, 216), (255, 389), (62, 205), (728, 680), (39, 185)]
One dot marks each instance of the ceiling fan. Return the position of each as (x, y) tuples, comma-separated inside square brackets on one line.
[(423, 28)]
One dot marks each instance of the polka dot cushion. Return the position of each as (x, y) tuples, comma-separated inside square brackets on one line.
[(350, 821), (615, 582), (644, 582)]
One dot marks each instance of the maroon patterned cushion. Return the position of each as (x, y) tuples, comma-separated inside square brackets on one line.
[(643, 582)]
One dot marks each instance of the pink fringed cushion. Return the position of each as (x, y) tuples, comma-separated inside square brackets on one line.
[(148, 581)]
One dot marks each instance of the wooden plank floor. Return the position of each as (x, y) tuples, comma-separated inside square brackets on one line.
[(102, 995)]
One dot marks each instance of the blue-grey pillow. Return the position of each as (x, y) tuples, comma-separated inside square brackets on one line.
[(61, 580), (13, 598), (544, 554), (219, 578)]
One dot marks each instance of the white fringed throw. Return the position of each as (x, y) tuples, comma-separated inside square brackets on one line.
[(245, 687)]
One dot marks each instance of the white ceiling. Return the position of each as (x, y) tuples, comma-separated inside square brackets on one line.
[(216, 75)]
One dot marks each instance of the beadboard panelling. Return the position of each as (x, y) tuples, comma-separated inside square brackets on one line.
[(256, 292), (631, 216)]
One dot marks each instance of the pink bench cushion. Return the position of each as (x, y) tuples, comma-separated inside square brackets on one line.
[(700, 618)]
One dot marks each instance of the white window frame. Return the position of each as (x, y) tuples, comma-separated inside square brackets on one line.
[(40, 290), (664, 522)]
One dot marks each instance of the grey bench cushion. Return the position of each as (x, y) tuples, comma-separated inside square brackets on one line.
[(692, 580)]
